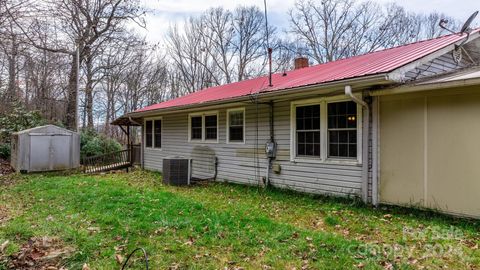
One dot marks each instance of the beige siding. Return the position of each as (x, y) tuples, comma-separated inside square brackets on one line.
[(429, 150), (401, 137), (236, 162)]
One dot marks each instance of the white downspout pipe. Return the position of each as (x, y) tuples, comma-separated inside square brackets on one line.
[(375, 153), (365, 138)]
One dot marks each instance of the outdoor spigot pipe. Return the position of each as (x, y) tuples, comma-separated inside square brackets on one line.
[(365, 140)]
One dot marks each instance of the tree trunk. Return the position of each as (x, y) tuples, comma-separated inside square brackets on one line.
[(12, 71), (71, 110), (89, 90)]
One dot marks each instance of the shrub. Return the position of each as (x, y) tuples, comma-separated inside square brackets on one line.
[(93, 144), (19, 118), (5, 150)]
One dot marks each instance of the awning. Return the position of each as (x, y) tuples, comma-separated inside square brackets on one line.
[(126, 121)]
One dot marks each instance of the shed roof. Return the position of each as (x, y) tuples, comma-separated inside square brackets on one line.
[(47, 129), (374, 63)]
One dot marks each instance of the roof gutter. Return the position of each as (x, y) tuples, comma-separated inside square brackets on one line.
[(366, 80), (365, 139)]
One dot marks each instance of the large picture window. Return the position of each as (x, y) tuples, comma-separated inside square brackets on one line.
[(236, 125), (308, 130), (325, 130), (153, 133), (342, 129)]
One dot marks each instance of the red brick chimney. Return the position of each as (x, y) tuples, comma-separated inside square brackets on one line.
[(301, 62)]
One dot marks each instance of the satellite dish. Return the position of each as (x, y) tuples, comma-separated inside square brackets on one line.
[(466, 25), (465, 28), (457, 51)]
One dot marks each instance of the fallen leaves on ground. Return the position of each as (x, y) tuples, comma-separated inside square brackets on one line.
[(42, 253), (3, 246), (119, 258), (4, 215), (5, 168)]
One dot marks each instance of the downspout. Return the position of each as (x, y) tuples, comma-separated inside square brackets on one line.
[(365, 138), (375, 153)]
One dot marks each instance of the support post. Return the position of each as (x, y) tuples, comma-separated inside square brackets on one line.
[(129, 147)]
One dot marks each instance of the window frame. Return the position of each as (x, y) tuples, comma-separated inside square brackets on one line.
[(319, 130), (240, 109), (153, 133), (359, 139), (203, 139), (323, 102)]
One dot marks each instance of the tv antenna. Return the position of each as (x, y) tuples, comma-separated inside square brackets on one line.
[(269, 50), (457, 52)]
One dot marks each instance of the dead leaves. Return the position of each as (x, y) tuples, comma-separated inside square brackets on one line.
[(93, 230), (4, 214), (5, 168), (3, 246), (190, 241), (43, 253), (119, 258)]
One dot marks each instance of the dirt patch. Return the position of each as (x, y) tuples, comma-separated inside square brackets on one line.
[(42, 253), (5, 168)]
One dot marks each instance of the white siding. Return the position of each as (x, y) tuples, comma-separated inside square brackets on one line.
[(236, 162)]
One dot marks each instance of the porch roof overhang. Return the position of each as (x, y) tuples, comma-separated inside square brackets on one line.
[(126, 121)]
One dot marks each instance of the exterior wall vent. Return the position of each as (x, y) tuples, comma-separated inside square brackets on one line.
[(176, 171)]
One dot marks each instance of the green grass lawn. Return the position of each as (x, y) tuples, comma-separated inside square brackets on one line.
[(223, 226)]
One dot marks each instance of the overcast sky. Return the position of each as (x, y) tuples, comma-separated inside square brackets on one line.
[(167, 12)]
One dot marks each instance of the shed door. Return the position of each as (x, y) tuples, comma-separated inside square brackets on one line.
[(50, 152), (39, 153), (429, 150), (61, 152)]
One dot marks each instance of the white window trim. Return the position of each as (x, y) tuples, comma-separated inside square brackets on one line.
[(153, 133), (241, 109), (323, 132), (203, 114)]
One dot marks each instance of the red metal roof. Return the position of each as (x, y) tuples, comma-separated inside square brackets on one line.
[(358, 66)]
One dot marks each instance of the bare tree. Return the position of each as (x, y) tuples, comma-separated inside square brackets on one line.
[(78, 25), (191, 58), (335, 29)]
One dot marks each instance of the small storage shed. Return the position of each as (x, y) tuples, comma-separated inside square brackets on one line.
[(45, 148)]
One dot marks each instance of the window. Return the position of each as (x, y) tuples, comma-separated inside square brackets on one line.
[(148, 133), (153, 133), (203, 127), (211, 127), (196, 127), (342, 129), (157, 131), (326, 130), (308, 130), (236, 123)]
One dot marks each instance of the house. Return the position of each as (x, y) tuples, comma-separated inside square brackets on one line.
[(398, 126)]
